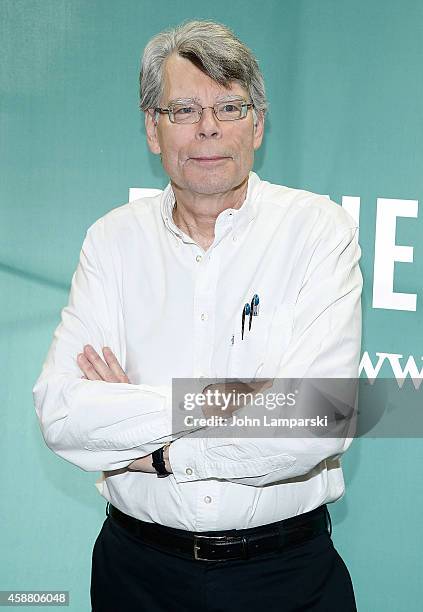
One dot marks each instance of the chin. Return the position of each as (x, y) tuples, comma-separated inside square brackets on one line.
[(210, 183)]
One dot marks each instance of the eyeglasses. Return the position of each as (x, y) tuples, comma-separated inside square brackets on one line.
[(231, 110)]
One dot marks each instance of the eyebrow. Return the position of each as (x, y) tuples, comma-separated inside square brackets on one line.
[(197, 100)]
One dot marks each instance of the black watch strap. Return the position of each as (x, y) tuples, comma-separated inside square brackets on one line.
[(159, 464)]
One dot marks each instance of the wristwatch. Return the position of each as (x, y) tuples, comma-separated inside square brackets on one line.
[(158, 461)]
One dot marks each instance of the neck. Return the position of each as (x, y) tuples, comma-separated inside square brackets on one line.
[(196, 213)]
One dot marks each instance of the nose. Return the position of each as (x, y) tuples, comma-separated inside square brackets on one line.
[(209, 125)]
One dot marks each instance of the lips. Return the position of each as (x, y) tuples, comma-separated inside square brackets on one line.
[(208, 158)]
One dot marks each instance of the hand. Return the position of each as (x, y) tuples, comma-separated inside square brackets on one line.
[(94, 367)]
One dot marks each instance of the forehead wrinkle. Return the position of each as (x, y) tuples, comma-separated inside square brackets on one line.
[(196, 99), (184, 100)]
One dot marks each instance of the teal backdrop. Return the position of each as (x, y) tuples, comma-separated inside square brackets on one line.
[(345, 87)]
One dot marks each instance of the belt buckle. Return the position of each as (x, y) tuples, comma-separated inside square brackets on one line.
[(197, 547)]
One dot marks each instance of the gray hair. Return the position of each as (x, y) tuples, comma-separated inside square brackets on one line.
[(210, 46)]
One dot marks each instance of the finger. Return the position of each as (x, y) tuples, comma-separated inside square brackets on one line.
[(100, 367), (268, 384), (88, 369), (114, 365)]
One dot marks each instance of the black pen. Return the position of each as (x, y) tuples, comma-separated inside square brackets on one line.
[(245, 311)]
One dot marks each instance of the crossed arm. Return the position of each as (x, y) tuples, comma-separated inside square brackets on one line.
[(110, 370), (116, 426)]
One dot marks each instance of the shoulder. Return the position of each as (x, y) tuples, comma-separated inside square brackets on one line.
[(310, 209), (125, 220)]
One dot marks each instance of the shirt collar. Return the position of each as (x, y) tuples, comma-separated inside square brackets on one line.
[(236, 218)]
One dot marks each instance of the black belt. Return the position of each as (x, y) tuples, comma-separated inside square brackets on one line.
[(229, 544)]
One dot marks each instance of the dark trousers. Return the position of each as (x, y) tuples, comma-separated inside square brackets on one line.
[(129, 576)]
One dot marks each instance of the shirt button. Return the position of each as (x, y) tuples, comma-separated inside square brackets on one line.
[(204, 316), (207, 499), (188, 471), (234, 238), (198, 258)]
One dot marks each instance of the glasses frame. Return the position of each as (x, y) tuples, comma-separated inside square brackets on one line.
[(170, 111)]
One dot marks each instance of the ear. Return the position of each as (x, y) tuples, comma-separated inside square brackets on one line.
[(151, 131), (258, 130)]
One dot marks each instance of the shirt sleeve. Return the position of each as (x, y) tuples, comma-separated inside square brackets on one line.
[(325, 343), (96, 425)]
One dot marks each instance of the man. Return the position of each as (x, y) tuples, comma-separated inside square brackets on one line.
[(221, 275)]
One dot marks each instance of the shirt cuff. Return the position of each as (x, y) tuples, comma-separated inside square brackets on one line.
[(195, 458), (184, 459)]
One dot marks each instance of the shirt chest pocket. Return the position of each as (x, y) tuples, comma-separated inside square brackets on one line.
[(261, 350)]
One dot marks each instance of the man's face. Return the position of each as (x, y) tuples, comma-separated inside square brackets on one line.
[(211, 156)]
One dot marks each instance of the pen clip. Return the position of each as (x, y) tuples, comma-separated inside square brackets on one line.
[(255, 301)]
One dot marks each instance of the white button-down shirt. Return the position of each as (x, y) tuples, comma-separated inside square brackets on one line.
[(168, 309)]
